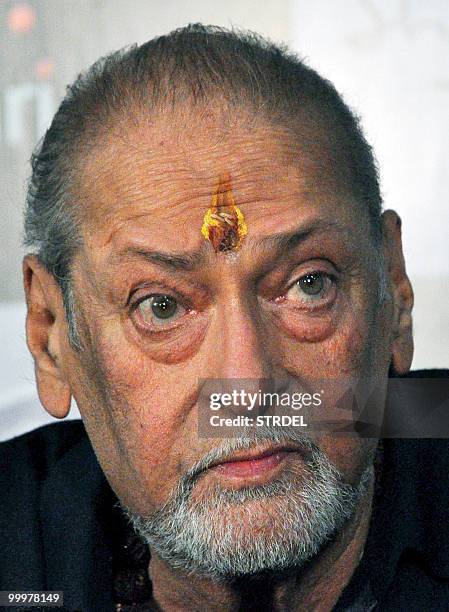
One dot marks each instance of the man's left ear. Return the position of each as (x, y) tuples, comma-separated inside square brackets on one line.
[(401, 338)]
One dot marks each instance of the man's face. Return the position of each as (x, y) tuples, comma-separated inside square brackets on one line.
[(243, 316)]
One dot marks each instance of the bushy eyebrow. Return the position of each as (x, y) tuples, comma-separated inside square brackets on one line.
[(276, 245), (184, 261), (285, 241)]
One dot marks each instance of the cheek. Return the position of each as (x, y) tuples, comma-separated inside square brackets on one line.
[(342, 340), (350, 455), (353, 350), (339, 367), (139, 421), (346, 351)]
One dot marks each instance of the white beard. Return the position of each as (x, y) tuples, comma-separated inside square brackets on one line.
[(268, 528)]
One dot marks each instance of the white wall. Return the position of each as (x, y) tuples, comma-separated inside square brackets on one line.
[(389, 58)]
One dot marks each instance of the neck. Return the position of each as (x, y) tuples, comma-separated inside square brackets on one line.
[(315, 587)]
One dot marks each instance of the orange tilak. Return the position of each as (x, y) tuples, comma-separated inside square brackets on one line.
[(224, 224)]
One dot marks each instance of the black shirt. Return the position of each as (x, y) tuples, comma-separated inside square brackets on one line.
[(61, 528)]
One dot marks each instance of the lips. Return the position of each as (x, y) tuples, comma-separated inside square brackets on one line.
[(253, 455), (253, 463)]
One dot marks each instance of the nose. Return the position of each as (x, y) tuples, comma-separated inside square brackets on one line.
[(242, 358), (243, 351)]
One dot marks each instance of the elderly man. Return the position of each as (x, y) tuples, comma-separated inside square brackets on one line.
[(205, 207)]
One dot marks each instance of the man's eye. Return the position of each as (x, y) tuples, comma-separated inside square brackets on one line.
[(159, 309), (311, 287)]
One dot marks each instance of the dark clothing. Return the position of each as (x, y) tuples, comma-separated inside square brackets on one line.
[(61, 530)]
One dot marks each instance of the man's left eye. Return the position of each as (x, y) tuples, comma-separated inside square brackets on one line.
[(160, 309), (311, 287)]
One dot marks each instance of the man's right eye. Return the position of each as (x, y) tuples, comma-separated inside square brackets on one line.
[(160, 309)]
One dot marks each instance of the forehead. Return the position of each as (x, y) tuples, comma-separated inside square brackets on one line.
[(161, 177)]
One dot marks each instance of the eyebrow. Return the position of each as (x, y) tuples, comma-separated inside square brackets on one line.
[(184, 261), (191, 260), (288, 240)]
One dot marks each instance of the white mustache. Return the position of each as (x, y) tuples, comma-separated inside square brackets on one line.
[(277, 435)]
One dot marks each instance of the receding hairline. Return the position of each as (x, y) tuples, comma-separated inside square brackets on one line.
[(302, 144)]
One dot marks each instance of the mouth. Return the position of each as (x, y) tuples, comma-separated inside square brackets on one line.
[(253, 464)]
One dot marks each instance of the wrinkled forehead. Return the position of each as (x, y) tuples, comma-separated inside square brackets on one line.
[(165, 175)]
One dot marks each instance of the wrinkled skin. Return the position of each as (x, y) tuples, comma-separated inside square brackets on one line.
[(136, 383)]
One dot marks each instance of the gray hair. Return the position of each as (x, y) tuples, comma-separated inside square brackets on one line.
[(198, 64)]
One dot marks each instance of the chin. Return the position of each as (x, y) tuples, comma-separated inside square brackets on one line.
[(226, 533)]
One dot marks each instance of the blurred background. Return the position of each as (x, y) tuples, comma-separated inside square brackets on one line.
[(389, 58)]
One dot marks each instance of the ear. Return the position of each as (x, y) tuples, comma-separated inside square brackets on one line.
[(402, 294), (45, 326)]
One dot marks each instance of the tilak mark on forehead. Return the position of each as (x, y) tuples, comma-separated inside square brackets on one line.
[(224, 224)]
